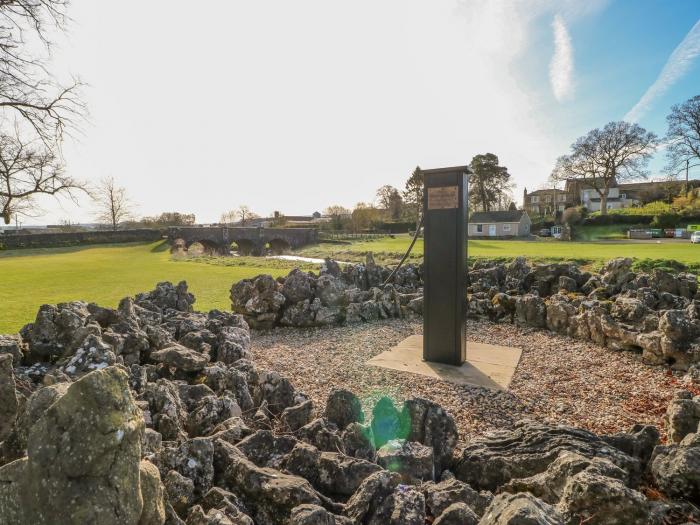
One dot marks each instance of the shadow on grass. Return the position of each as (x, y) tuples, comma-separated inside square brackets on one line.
[(161, 247), (29, 252)]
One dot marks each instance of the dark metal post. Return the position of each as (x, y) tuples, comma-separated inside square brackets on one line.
[(445, 265)]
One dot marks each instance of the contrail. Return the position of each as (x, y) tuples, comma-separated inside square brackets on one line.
[(676, 66), (561, 67)]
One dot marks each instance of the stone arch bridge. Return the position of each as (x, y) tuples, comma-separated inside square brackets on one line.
[(218, 240)]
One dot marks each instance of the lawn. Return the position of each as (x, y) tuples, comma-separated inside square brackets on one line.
[(105, 274), (391, 249)]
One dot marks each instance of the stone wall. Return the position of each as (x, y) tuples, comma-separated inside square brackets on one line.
[(153, 413), (338, 295), (10, 241), (657, 314)]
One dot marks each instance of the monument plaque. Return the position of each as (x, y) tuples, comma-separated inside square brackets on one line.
[(445, 265), (443, 198)]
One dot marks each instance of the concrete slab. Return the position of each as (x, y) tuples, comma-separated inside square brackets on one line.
[(488, 366)]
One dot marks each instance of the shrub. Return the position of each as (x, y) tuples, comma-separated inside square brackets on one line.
[(666, 220), (573, 215)]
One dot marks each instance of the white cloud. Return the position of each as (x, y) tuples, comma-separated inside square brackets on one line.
[(676, 66), (561, 68)]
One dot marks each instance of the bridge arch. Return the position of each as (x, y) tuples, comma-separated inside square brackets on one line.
[(279, 246), (204, 247), (244, 247)]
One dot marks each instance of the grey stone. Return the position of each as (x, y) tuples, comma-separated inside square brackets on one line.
[(297, 416), (520, 509), (95, 465), (343, 407), (8, 397), (457, 514), (411, 460), (181, 358), (492, 460)]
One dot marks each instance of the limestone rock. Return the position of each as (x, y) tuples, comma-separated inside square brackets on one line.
[(194, 459), (520, 509), (8, 397), (491, 461), (13, 345), (433, 426), (600, 500), (682, 415), (342, 475), (309, 514), (358, 441), (530, 310), (413, 461), (297, 416), (181, 358), (271, 494), (329, 290), (342, 408), (179, 491), (676, 468), (95, 464), (16, 443), (440, 496), (365, 503), (322, 435), (165, 296), (152, 493), (298, 286), (457, 514)]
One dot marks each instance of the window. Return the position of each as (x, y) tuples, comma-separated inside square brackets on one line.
[(480, 228), (506, 227), (534, 199), (562, 197), (623, 196)]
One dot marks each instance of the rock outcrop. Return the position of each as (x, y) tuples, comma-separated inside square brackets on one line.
[(657, 314), (167, 420)]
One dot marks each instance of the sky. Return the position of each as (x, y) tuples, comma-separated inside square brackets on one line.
[(295, 106)]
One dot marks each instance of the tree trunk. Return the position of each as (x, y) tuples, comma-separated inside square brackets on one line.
[(604, 202)]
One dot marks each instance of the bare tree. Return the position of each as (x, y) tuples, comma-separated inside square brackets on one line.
[(619, 152), (242, 214), (114, 205), (390, 199), (28, 169), (228, 217), (683, 138), (37, 108), (245, 214), (28, 92), (339, 216)]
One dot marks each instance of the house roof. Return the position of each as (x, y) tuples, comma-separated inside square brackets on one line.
[(497, 216), (547, 191)]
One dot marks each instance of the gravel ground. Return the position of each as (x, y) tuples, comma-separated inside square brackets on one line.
[(558, 380)]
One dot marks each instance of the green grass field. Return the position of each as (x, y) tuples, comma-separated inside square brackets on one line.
[(389, 250), (104, 274)]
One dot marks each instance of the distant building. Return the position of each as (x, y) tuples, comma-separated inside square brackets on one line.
[(514, 223), (548, 201), (580, 192)]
